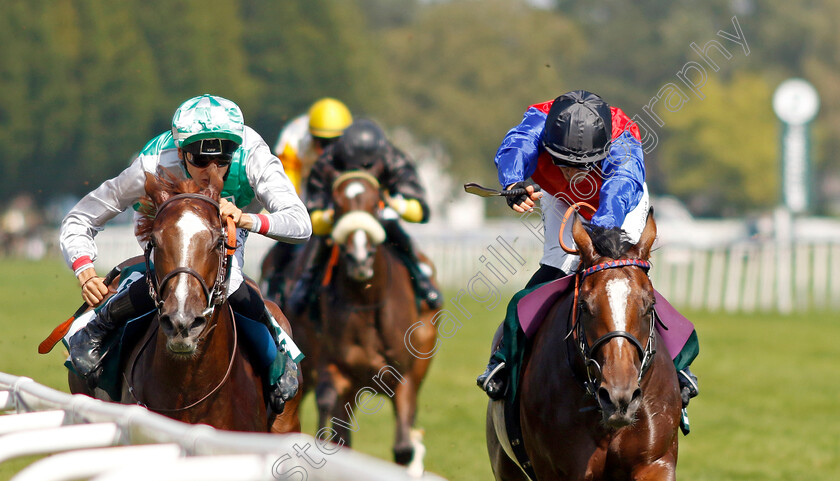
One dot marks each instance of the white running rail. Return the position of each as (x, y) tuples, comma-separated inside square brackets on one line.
[(92, 439)]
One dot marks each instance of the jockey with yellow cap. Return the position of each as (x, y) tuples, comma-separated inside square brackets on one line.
[(303, 139), (300, 144)]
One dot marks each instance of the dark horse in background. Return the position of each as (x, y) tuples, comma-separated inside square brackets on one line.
[(368, 309), (599, 397), (189, 363)]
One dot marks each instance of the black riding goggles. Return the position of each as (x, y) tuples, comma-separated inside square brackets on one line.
[(206, 151)]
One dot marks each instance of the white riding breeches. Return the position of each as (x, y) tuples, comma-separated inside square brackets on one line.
[(553, 209)]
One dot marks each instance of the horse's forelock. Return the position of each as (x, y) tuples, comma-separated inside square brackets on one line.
[(147, 209), (355, 220), (609, 242)]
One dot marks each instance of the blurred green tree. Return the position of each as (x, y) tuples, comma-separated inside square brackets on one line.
[(465, 72), (721, 153), (302, 50)]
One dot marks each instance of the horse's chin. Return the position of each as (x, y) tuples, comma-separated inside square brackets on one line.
[(362, 275), (616, 420), (181, 349)]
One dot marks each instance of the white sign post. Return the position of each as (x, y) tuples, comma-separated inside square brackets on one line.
[(796, 103)]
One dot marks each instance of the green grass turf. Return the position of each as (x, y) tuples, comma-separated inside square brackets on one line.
[(769, 387)]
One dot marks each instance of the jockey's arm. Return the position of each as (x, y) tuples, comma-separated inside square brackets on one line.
[(318, 197), (88, 217), (517, 156), (410, 210), (322, 221), (405, 193), (287, 219), (624, 178)]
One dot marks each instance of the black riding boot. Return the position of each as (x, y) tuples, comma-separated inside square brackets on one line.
[(688, 386), (299, 298), (494, 379), (283, 254), (422, 282), (302, 293), (245, 300), (91, 343)]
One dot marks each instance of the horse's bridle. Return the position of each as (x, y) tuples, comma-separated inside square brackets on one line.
[(587, 351), (215, 297)]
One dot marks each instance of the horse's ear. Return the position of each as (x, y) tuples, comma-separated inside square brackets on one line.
[(642, 249), (214, 190), (154, 190), (584, 243)]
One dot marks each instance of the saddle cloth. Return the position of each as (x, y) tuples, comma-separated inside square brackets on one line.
[(533, 308)]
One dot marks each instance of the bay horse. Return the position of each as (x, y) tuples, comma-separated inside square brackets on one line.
[(189, 364), (599, 398), (367, 307)]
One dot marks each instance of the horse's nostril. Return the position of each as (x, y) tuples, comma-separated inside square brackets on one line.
[(637, 394), (198, 323), (166, 324), (604, 397)]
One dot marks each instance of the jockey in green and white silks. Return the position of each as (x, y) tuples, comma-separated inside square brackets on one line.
[(205, 129), (254, 173)]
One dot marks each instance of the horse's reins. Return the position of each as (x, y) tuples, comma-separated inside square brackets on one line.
[(587, 351), (214, 298)]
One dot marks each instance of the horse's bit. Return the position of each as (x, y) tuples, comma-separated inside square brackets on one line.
[(588, 352), (215, 297)]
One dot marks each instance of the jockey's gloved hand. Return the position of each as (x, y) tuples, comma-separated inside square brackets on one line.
[(523, 202)]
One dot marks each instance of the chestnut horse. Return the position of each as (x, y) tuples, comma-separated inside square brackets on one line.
[(599, 398), (367, 307), (189, 364)]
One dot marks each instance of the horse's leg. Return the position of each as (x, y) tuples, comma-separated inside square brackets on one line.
[(663, 469), (335, 400), (77, 384), (405, 409), (326, 397), (503, 467)]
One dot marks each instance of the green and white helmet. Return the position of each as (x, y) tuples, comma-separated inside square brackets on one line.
[(207, 117)]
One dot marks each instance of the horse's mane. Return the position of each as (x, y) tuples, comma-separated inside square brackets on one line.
[(609, 242), (148, 210)]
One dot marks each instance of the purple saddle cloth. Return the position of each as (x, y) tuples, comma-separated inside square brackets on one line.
[(533, 308)]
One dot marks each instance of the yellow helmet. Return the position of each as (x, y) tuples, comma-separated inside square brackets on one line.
[(328, 118)]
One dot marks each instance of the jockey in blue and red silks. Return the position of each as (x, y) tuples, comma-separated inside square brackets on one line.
[(577, 148)]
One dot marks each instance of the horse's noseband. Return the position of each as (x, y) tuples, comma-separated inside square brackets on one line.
[(217, 295), (587, 351)]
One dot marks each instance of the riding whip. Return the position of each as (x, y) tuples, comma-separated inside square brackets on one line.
[(475, 189)]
